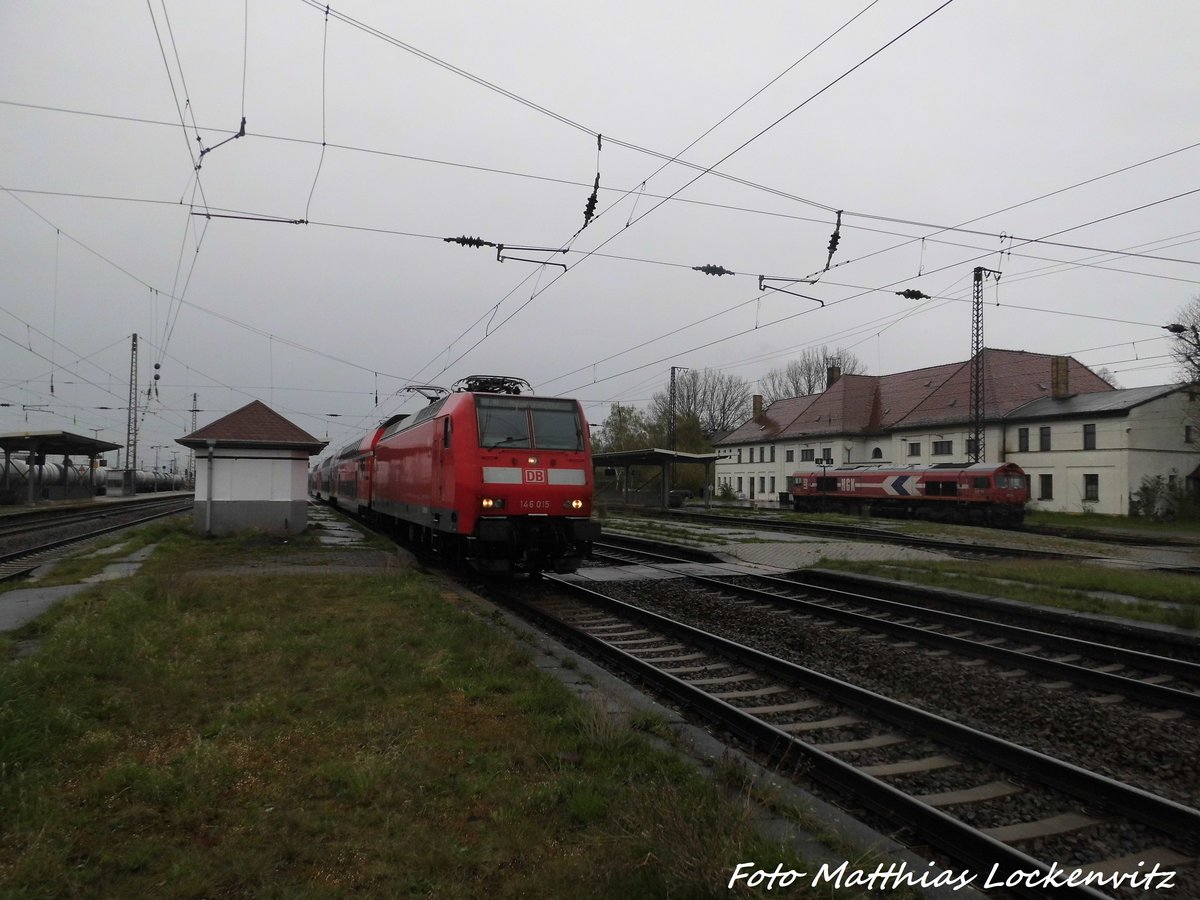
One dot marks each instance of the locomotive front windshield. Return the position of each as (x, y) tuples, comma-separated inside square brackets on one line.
[(528, 423)]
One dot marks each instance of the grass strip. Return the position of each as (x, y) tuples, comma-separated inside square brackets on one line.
[(1054, 583), (190, 735)]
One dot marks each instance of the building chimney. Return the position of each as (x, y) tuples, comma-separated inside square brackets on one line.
[(832, 374), (1060, 379), (758, 398)]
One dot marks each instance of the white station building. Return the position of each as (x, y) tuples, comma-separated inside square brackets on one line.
[(1084, 445)]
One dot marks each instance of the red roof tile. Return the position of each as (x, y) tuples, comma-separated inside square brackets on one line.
[(255, 425), (931, 396)]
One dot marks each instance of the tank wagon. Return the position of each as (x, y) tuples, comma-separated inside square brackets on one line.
[(986, 493), (483, 474)]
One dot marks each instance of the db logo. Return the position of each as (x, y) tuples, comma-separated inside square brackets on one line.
[(535, 476)]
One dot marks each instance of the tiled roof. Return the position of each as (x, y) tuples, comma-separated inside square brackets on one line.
[(1011, 378), (768, 426), (254, 425), (937, 395), (1099, 403)]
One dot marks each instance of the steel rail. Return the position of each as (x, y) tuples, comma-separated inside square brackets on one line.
[(869, 533), (1107, 682), (941, 830), (7, 558), (1136, 803)]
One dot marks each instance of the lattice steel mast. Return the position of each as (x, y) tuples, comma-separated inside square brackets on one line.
[(977, 389), (131, 428)]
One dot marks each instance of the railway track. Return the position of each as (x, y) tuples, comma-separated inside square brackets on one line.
[(1112, 671), (976, 798), (16, 563), (874, 534)]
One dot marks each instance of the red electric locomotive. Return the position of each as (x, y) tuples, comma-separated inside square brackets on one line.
[(482, 474), (988, 493)]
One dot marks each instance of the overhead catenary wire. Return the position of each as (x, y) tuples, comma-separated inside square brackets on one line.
[(324, 96), (493, 309), (624, 192), (705, 171)]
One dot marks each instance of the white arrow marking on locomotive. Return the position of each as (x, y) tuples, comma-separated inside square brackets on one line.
[(896, 487)]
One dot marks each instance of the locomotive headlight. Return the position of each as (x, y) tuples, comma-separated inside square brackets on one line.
[(572, 504), (533, 460), (492, 503)]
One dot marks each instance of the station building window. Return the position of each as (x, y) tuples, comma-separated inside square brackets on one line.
[(789, 456), (1044, 437), (1023, 440), (807, 455), (1091, 488), (1045, 487), (943, 448), (914, 449), (1089, 437)]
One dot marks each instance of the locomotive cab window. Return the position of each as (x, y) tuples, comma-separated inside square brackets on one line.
[(527, 423), (981, 481)]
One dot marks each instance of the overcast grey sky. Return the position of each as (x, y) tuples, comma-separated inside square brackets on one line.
[(476, 119)]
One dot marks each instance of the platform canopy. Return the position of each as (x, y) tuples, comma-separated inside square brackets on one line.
[(661, 459), (54, 443)]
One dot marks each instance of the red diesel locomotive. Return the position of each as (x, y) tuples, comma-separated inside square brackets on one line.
[(481, 474), (987, 493)]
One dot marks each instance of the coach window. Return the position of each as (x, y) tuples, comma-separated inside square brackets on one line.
[(1089, 437), (1023, 440), (1091, 488), (1045, 487), (1044, 437)]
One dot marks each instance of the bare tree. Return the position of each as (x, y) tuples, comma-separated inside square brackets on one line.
[(1108, 375), (1185, 347), (807, 373), (718, 402)]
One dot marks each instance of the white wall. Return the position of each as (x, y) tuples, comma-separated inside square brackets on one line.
[(253, 475)]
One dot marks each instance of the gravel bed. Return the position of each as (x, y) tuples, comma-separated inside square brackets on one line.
[(1122, 741), (1119, 740), (15, 543)]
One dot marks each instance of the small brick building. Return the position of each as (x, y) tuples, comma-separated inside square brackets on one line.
[(251, 472)]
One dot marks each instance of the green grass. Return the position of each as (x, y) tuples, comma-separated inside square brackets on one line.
[(1096, 521), (1054, 583), (297, 736)]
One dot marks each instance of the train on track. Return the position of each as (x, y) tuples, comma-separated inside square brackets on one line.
[(983, 493), (483, 475)]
